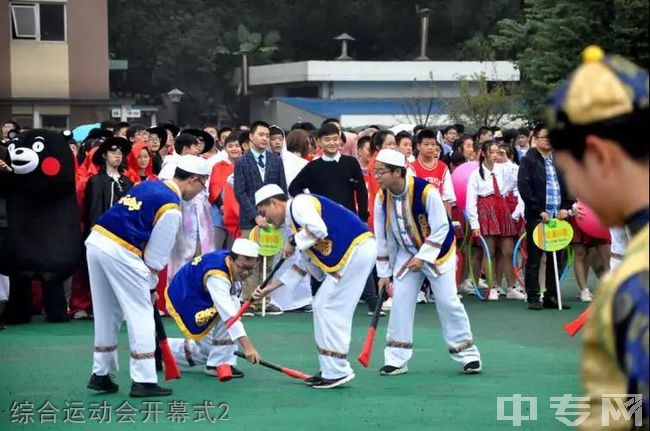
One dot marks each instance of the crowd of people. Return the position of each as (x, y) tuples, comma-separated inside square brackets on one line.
[(514, 188)]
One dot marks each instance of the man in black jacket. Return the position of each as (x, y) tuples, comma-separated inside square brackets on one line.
[(334, 175), (339, 178), (545, 196), (256, 168)]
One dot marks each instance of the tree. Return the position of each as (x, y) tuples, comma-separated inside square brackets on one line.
[(482, 103), (548, 41)]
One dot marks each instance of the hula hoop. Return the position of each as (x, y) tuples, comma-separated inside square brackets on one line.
[(515, 260), (520, 251), (467, 234), (490, 280), (486, 255)]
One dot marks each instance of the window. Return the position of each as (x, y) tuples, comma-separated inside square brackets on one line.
[(54, 121), (38, 21), (24, 20)]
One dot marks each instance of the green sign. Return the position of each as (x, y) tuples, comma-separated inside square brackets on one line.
[(270, 240), (555, 235)]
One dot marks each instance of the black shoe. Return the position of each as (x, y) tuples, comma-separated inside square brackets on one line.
[(389, 370), (140, 390), (102, 383), (271, 310), (535, 305), (553, 305), (316, 378), (237, 373), (473, 367), (306, 309), (323, 383)]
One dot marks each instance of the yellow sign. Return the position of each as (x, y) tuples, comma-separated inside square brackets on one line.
[(555, 235), (269, 239)]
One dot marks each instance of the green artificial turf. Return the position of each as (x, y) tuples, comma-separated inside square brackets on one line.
[(523, 352)]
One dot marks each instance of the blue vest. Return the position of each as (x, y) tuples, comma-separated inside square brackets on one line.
[(345, 231), (418, 227), (187, 297), (130, 221)]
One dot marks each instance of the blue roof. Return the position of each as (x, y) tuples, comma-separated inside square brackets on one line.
[(338, 107)]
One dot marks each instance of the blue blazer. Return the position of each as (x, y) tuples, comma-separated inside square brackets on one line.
[(248, 180)]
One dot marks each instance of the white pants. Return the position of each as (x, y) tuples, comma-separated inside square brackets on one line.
[(4, 288), (334, 306), (291, 297), (120, 290), (213, 350), (456, 330)]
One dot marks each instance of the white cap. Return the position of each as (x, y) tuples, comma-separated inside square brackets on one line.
[(245, 247), (392, 157), (194, 165), (266, 192)]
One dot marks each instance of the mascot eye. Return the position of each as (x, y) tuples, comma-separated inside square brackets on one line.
[(11, 147), (38, 146)]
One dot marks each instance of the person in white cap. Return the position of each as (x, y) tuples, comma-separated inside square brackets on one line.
[(196, 235), (202, 296), (127, 247), (336, 248), (415, 240)]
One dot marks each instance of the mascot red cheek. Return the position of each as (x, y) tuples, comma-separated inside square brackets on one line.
[(44, 239)]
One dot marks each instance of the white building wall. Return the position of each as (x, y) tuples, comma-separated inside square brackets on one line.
[(395, 90)]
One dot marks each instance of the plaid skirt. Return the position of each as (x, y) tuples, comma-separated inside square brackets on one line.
[(494, 217)]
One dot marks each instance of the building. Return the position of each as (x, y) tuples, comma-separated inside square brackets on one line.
[(54, 63), (364, 92)]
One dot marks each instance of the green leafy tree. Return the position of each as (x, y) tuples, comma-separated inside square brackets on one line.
[(548, 41), (482, 103)]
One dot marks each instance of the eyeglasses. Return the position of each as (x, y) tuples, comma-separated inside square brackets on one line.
[(379, 172), (202, 183)]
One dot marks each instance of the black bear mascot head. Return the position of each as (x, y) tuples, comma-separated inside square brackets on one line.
[(43, 238)]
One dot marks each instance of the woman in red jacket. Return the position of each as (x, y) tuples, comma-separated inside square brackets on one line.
[(222, 194)]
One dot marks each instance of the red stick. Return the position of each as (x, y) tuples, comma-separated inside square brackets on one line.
[(287, 371), (239, 314), (171, 368), (248, 303), (572, 328), (366, 351), (294, 373)]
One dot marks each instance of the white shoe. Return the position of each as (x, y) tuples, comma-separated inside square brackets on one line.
[(460, 297), (494, 295), (482, 284), (422, 298), (501, 291), (372, 313), (387, 304), (466, 287), (80, 314), (586, 295), (515, 293)]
